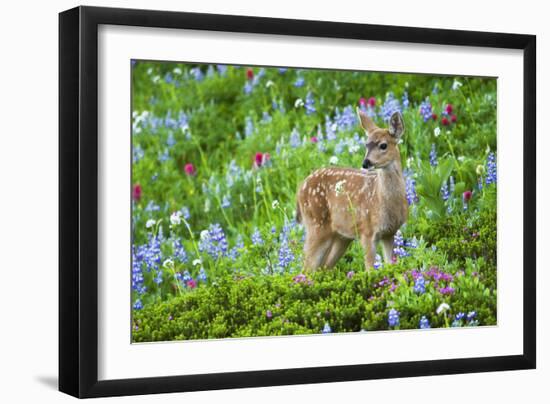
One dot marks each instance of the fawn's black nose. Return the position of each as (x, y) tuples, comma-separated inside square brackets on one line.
[(367, 163)]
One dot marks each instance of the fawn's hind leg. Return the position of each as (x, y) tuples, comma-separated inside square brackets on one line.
[(316, 248), (387, 244), (337, 249)]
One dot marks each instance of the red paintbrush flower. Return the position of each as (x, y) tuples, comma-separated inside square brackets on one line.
[(434, 117), (371, 102), (444, 121), (189, 169), (362, 101), (258, 158), (249, 74), (449, 109), (453, 118), (136, 192), (467, 195)]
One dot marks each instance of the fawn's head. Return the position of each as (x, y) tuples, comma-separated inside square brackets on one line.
[(382, 143)]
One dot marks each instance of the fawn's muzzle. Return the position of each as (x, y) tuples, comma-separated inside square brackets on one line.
[(367, 164)]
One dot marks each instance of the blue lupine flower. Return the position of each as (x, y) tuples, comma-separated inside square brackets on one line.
[(138, 305), (420, 285), (330, 129), (326, 329), (239, 245), (137, 153), (445, 191), (309, 104), (391, 105), (471, 315), (426, 109), (405, 100), (410, 187), (398, 244), (377, 262), (459, 316), (171, 141), (158, 277), (266, 117), (339, 148), (412, 243), (257, 237), (295, 140), (213, 241), (286, 256), (186, 277), (282, 70), (201, 277), (248, 87), (196, 73), (346, 120), (179, 251), (185, 212), (424, 323), (248, 127), (168, 78), (433, 156), (226, 201), (451, 184), (393, 318), (491, 169), (165, 155), (210, 71), (222, 69), (137, 274), (299, 82)]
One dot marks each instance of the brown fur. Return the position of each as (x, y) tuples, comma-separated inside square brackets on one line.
[(338, 205)]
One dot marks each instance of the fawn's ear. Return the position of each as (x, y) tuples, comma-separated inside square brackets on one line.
[(366, 123), (396, 127)]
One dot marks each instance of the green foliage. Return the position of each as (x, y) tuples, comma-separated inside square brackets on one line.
[(280, 305)]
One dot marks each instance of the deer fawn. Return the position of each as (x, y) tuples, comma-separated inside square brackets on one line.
[(338, 205)]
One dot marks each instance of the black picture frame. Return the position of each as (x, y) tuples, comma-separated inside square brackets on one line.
[(78, 201)]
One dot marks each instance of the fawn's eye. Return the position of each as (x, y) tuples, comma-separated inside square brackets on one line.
[(384, 146)]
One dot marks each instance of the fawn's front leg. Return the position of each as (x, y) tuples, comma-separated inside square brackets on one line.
[(367, 241)]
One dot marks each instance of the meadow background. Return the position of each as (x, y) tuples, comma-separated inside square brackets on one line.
[(218, 152)]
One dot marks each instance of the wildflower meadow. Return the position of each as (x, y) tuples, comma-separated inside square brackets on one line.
[(218, 152)]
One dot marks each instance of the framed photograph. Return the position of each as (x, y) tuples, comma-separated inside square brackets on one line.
[(252, 201)]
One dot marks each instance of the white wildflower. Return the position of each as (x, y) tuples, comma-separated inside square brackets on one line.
[(333, 160), (207, 205), (175, 218), (442, 308), (456, 85), (269, 84), (150, 223), (275, 204), (168, 263), (177, 70), (437, 131), (298, 103), (197, 262), (205, 234)]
